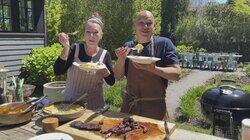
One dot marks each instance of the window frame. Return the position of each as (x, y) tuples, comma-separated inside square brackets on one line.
[(3, 17), (15, 18)]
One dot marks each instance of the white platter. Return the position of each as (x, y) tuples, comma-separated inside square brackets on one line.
[(90, 66), (52, 136), (143, 59)]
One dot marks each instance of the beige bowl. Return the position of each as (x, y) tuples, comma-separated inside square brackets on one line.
[(14, 118)]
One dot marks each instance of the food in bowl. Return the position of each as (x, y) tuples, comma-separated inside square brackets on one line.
[(139, 47), (12, 109), (89, 65), (62, 109), (10, 114)]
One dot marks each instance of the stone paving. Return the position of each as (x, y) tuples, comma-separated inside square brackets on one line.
[(177, 89)]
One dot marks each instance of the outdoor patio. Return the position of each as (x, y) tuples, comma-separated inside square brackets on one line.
[(211, 39)]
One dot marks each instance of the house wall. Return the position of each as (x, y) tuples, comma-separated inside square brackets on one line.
[(15, 46)]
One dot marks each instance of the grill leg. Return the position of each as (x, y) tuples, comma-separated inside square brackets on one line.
[(218, 113)]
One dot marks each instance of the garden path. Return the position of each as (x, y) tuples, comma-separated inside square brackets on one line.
[(177, 89)]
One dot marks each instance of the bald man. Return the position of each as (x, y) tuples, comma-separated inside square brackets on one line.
[(147, 83)]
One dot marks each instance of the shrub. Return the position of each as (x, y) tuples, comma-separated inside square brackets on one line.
[(38, 66), (113, 95), (184, 48), (246, 69), (246, 88), (190, 99)]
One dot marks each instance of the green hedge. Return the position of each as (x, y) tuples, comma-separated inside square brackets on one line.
[(186, 48), (113, 95), (38, 66), (190, 101), (246, 69)]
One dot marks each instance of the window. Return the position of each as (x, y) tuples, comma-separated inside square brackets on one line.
[(17, 16), (26, 16), (5, 15)]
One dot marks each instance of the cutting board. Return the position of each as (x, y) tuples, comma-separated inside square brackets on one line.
[(156, 127)]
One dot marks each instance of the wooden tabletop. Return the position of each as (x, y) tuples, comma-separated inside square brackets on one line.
[(22, 131), (32, 128)]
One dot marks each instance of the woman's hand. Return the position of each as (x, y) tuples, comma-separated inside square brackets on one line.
[(103, 72), (122, 52), (147, 67), (64, 39)]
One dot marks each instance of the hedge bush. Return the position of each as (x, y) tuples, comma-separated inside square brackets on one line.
[(185, 48), (38, 66), (246, 69), (190, 100), (113, 95)]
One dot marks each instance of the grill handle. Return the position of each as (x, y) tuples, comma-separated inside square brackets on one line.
[(228, 81), (227, 86), (224, 84)]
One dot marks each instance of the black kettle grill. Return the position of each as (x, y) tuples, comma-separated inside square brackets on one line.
[(226, 106)]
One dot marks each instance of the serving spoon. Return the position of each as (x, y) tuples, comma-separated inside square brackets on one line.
[(67, 107)]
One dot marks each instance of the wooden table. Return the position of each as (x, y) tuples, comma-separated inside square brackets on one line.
[(30, 129), (22, 131)]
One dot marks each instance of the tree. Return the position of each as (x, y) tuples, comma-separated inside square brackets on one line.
[(171, 12), (53, 10)]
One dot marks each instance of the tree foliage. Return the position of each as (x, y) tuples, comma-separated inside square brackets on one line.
[(217, 27), (53, 19), (171, 12), (118, 17)]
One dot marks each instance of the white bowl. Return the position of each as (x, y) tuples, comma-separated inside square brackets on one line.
[(143, 59), (52, 136), (54, 90), (92, 68)]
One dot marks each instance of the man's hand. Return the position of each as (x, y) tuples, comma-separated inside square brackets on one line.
[(122, 52), (146, 67)]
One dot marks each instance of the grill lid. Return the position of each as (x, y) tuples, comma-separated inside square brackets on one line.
[(226, 96)]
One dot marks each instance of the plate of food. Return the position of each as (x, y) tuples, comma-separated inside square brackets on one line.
[(143, 59), (63, 111), (90, 66)]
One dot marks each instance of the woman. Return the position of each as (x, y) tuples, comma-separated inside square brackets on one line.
[(78, 81)]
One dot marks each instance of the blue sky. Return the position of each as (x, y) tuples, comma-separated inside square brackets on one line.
[(221, 1)]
